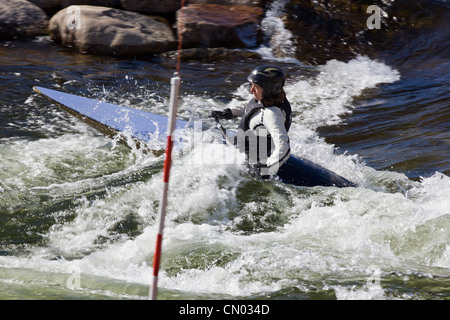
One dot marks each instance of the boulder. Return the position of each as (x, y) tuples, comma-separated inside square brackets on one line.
[(252, 3), (110, 31), (53, 6), (211, 54), (20, 18), (152, 6), (102, 3), (47, 4), (214, 25)]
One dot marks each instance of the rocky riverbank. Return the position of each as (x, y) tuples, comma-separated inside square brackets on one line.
[(134, 27), (317, 30)]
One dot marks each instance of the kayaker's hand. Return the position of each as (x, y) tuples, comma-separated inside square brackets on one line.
[(225, 114)]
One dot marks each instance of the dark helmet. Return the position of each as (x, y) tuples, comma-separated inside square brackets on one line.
[(270, 78)]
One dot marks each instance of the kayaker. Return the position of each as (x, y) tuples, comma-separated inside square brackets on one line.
[(266, 119)]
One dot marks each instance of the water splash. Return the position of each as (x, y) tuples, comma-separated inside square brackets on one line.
[(278, 41)]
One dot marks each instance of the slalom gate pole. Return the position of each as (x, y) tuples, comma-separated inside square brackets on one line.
[(174, 94), (175, 82)]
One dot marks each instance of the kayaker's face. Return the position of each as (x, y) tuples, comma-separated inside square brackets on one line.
[(257, 91)]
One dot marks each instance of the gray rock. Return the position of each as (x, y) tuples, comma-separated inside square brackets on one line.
[(46, 4), (252, 3), (110, 31), (212, 54), (20, 18), (60, 4)]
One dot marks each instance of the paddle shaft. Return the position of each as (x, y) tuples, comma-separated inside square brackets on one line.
[(223, 131)]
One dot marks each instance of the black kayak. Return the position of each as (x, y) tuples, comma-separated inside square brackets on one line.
[(303, 172)]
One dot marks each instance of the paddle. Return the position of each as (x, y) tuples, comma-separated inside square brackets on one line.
[(223, 131)]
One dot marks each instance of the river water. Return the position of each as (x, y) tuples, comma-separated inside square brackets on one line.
[(78, 211)]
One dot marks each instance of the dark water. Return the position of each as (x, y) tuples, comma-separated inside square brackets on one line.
[(74, 203), (413, 112)]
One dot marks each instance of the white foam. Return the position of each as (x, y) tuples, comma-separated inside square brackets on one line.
[(353, 293), (281, 43), (331, 233), (324, 99), (327, 233)]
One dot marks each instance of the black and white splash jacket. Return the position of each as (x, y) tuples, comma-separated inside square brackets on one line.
[(263, 133)]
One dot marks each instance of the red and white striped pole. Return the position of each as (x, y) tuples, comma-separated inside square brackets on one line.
[(174, 94), (175, 82)]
